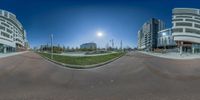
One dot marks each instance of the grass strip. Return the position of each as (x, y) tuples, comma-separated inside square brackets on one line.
[(88, 60)]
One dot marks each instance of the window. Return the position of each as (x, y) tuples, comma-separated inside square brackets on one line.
[(183, 24), (9, 31), (186, 14), (19, 40), (192, 31), (5, 24), (2, 20), (177, 30), (9, 23), (197, 26), (188, 11), (183, 16), (5, 34), (177, 19), (2, 28), (197, 18), (192, 20), (11, 16), (5, 14)]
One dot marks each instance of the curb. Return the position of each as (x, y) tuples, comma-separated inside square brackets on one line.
[(171, 58), (82, 66), (12, 54)]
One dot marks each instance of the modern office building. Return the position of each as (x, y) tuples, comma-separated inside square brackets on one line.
[(12, 33), (88, 46), (147, 35), (165, 39), (141, 41), (186, 29)]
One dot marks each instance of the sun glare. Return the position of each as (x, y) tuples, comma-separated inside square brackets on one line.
[(99, 34)]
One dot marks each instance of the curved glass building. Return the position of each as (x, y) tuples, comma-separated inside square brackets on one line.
[(186, 29), (165, 39), (12, 33)]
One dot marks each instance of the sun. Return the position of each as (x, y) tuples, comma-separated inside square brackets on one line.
[(99, 34)]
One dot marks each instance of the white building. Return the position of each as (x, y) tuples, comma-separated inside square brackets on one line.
[(12, 33), (186, 29)]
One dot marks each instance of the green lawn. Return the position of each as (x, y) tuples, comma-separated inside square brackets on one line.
[(82, 60)]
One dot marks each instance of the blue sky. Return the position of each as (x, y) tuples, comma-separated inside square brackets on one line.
[(74, 22)]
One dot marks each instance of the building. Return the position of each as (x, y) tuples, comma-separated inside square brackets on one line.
[(186, 29), (91, 45), (147, 35), (165, 39), (141, 41), (12, 33)]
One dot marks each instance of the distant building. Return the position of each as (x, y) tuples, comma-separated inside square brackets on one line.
[(147, 35), (12, 33), (165, 39), (186, 29), (88, 46)]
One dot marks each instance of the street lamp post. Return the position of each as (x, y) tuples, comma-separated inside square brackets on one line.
[(51, 46)]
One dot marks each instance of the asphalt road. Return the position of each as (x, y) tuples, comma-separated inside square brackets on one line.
[(134, 76)]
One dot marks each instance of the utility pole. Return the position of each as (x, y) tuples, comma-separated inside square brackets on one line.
[(107, 46), (113, 45), (51, 46), (112, 41), (121, 45)]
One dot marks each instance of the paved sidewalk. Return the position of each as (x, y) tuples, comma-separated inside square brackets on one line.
[(173, 55), (134, 76), (11, 54)]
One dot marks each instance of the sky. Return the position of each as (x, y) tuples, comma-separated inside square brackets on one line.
[(73, 22)]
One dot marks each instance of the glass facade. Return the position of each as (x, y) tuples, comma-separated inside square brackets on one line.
[(196, 48), (6, 49), (88, 46), (165, 38)]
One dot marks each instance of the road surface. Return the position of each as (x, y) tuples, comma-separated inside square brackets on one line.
[(134, 76)]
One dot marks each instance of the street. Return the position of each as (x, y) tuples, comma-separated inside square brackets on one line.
[(134, 76)]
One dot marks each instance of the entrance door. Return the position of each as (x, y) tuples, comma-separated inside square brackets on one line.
[(187, 49)]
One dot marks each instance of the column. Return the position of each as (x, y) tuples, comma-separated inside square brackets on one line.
[(192, 50), (181, 48), (4, 50)]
